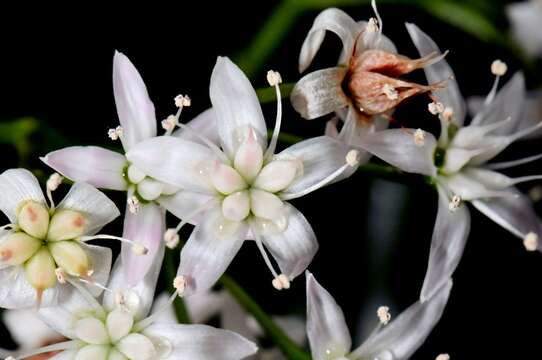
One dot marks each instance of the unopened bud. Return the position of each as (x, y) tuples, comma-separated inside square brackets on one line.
[(40, 270), (70, 256), (66, 225), (18, 248), (33, 219)]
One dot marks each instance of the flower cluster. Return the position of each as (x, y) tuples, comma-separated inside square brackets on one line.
[(222, 174)]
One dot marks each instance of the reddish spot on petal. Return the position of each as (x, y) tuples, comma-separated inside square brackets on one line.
[(78, 222), (6, 254), (31, 213)]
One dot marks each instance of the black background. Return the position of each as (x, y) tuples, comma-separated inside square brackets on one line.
[(56, 65)]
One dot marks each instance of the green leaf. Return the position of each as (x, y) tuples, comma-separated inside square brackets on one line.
[(17, 133)]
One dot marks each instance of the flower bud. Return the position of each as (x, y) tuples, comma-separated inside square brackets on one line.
[(33, 219), (18, 248), (66, 225), (71, 257), (40, 270)]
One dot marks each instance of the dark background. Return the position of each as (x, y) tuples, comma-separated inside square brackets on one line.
[(56, 66)]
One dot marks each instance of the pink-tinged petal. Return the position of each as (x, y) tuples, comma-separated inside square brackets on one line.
[(97, 208), (146, 228), (184, 204), (207, 304), (201, 342), (175, 161), (236, 105), (100, 262), (209, 250), (450, 95), (97, 166), (16, 186), (294, 248), (447, 244), (514, 213), (404, 335), (202, 125), (398, 148), (134, 107), (320, 93), (334, 20), (328, 334)]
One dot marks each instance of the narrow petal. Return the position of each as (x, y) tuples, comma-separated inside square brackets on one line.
[(207, 304), (201, 342), (320, 157), (334, 20), (450, 94), (320, 93), (398, 148), (204, 125), (65, 355), (209, 250), (16, 186), (470, 188), (294, 248), (183, 204), (27, 329), (449, 238), (97, 208), (328, 334), (236, 105), (134, 107), (404, 335), (100, 262), (97, 166), (175, 161), (147, 228)]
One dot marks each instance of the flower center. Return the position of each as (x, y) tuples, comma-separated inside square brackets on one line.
[(146, 188)]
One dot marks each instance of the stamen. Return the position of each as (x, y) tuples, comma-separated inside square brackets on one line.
[(274, 79), (133, 204), (352, 160), (91, 300), (443, 357), (380, 24), (531, 241), (171, 238), (115, 133), (498, 68), (455, 203), (66, 345), (509, 164), (53, 183), (419, 137), (372, 25), (383, 314), (447, 113), (435, 107), (169, 124), (277, 283), (150, 319), (60, 275), (390, 92), (137, 248), (281, 282), (90, 281), (179, 283), (182, 101)]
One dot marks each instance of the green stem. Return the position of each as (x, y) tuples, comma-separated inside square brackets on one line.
[(291, 350), (170, 272), (268, 94)]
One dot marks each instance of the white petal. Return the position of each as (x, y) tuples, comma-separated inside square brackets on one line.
[(334, 20), (328, 334), (119, 323), (201, 342), (449, 238), (408, 331), (266, 205), (207, 304), (249, 158), (490, 179), (183, 204), (320, 93), (16, 186), (203, 125), (98, 209), (525, 19), (134, 107), (92, 352), (174, 161), (100, 262), (457, 158), (320, 157), (226, 179), (27, 329), (236, 207), (236, 104), (137, 347), (65, 355), (97, 166), (17, 293), (294, 248), (469, 188), (150, 189), (450, 94), (209, 250), (398, 148), (91, 331), (277, 175)]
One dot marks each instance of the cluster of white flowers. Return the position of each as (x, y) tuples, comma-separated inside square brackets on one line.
[(221, 173)]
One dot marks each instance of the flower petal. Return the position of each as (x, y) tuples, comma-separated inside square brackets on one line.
[(209, 250), (294, 248), (97, 166), (17, 293), (98, 209), (320, 156), (134, 107), (334, 20), (16, 186), (27, 329), (320, 93), (183, 204), (207, 304), (469, 188), (174, 161), (398, 148), (100, 262), (525, 19), (450, 95), (147, 228), (449, 238), (328, 334), (404, 335), (236, 105), (201, 342), (65, 355), (203, 125)]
